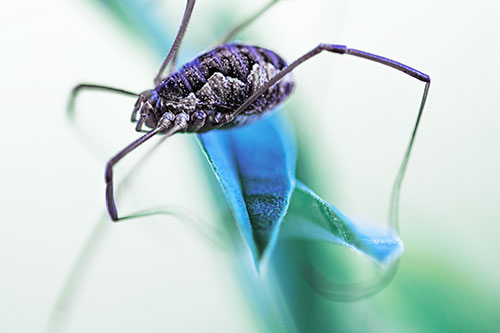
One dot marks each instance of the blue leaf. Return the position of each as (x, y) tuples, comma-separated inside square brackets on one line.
[(310, 217), (255, 166)]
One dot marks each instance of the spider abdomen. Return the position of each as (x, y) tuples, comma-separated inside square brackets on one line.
[(219, 81)]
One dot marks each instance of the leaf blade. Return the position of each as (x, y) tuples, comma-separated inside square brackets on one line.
[(310, 217), (255, 166)]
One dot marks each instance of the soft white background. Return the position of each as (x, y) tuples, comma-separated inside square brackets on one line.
[(163, 272)]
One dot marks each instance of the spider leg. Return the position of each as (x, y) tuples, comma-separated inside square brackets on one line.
[(230, 35), (341, 49), (172, 53), (94, 145), (70, 108), (249, 20), (179, 123)]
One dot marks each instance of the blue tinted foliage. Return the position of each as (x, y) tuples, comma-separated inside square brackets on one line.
[(255, 166), (311, 217)]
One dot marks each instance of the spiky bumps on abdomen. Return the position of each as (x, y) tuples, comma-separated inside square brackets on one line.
[(224, 78)]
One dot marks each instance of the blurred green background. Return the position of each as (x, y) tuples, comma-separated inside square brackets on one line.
[(353, 119)]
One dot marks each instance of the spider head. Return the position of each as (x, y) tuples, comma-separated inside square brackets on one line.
[(146, 107)]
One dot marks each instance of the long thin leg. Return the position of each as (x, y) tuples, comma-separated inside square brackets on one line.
[(110, 200), (70, 109), (230, 35), (171, 126), (177, 41), (341, 49), (394, 205), (242, 25)]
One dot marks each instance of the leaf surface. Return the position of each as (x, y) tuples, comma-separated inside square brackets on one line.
[(310, 217), (255, 166)]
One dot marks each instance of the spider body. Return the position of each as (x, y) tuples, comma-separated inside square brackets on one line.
[(210, 87), (229, 86)]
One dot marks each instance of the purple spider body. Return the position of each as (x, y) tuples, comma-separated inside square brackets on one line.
[(229, 86), (209, 88)]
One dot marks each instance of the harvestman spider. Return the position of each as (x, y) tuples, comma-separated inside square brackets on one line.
[(229, 86)]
